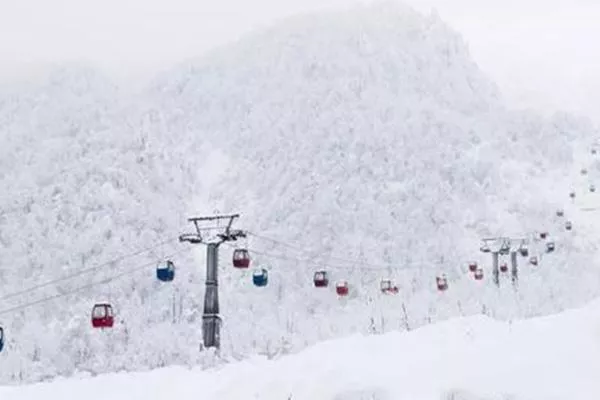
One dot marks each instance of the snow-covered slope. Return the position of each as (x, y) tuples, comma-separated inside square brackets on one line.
[(365, 142), (371, 136), (475, 358)]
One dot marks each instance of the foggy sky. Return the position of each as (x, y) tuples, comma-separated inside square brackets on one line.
[(524, 45)]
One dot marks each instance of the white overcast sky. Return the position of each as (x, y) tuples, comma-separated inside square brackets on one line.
[(538, 51)]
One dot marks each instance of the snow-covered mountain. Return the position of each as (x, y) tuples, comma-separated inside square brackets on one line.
[(473, 358), (363, 142)]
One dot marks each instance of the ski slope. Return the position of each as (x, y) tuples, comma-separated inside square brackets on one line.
[(475, 358)]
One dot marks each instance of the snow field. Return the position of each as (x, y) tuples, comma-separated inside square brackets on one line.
[(474, 358)]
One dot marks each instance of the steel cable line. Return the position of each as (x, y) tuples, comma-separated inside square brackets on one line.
[(85, 271), (343, 260), (84, 287), (355, 264)]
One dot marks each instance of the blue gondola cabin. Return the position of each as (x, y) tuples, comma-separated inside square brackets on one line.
[(165, 272), (260, 277), (102, 316)]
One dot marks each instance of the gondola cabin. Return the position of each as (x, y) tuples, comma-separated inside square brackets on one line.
[(524, 251), (441, 283), (241, 258), (594, 151), (560, 213), (568, 225), (260, 277), (485, 249), (550, 247), (504, 249), (478, 274), (572, 195), (584, 171), (321, 279), (592, 188), (504, 267), (102, 316), (533, 261), (543, 235), (386, 286), (341, 288), (1, 339), (165, 272), (472, 266)]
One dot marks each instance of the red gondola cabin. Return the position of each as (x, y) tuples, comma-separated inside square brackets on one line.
[(102, 316), (387, 287), (341, 288), (504, 267), (442, 283), (321, 279), (472, 266), (478, 274), (241, 258)]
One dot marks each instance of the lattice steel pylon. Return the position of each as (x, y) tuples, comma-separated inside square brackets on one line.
[(503, 246), (212, 237)]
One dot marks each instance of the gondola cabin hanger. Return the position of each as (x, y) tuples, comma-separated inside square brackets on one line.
[(103, 316)]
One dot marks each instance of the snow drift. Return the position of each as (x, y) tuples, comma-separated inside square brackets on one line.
[(472, 358)]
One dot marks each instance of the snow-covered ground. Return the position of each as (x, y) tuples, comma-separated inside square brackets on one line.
[(476, 358)]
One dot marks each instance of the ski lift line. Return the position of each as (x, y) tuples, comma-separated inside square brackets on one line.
[(340, 259), (369, 267), (85, 271), (82, 288)]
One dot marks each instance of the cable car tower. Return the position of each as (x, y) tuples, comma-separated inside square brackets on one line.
[(205, 234), (497, 246)]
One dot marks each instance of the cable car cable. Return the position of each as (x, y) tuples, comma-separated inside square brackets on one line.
[(85, 271), (84, 287), (362, 266), (344, 260)]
